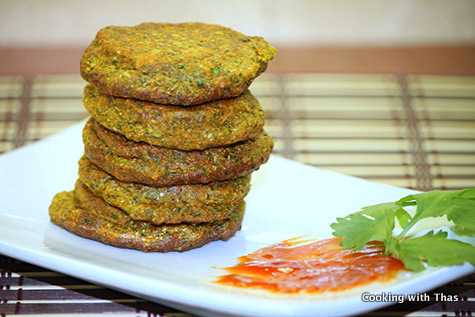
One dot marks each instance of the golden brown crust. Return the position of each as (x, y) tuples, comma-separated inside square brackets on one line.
[(131, 161), (180, 64), (172, 204), (216, 123), (86, 215)]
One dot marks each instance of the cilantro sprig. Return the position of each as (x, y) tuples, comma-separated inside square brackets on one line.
[(378, 223)]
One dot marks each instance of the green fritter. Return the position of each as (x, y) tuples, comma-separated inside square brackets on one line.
[(89, 216), (171, 204), (208, 125), (140, 162), (179, 64)]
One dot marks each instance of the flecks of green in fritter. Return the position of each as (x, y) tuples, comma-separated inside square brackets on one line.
[(170, 204), (180, 64), (131, 161), (86, 215), (216, 123)]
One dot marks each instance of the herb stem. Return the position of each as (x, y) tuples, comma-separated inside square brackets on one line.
[(406, 229)]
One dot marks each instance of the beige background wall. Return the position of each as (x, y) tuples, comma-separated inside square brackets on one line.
[(301, 22)]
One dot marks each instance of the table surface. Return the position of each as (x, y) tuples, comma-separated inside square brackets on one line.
[(414, 131)]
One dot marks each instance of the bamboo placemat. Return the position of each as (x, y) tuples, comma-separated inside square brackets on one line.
[(412, 131)]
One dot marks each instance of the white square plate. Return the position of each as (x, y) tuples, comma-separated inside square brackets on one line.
[(287, 200)]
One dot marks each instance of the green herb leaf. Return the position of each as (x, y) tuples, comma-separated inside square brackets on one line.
[(403, 217), (377, 222), (462, 231), (371, 223), (457, 205), (436, 250)]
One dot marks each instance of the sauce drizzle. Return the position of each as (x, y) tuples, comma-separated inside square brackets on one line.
[(291, 266)]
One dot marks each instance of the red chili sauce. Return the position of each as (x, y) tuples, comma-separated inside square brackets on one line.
[(291, 267)]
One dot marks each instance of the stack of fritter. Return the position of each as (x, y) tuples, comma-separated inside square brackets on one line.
[(173, 138)]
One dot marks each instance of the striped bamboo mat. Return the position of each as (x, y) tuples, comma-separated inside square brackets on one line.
[(411, 131)]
